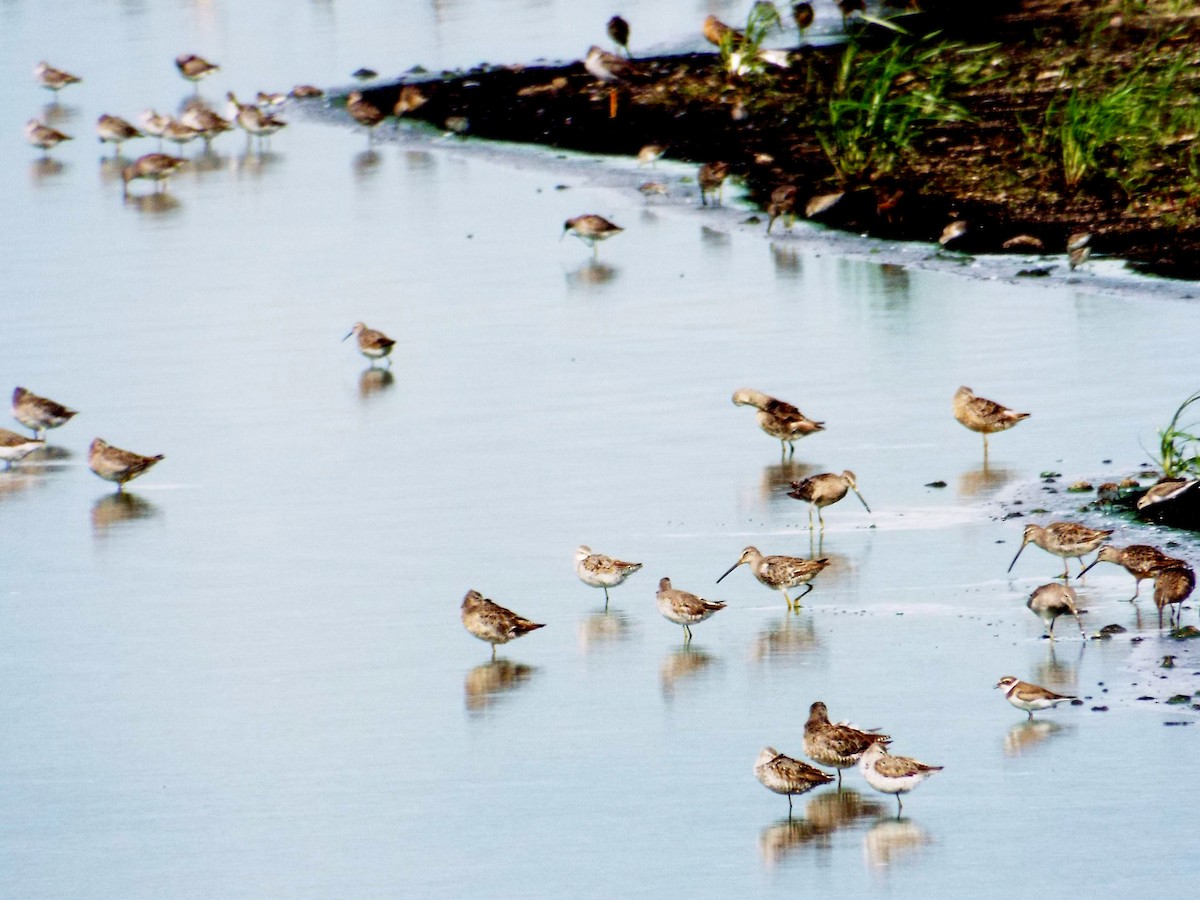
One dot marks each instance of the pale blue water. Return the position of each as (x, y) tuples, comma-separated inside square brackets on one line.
[(249, 679)]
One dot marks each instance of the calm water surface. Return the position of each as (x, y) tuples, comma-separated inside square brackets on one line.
[(247, 677)]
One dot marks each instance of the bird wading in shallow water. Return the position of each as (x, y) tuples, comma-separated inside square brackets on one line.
[(1064, 540), (1050, 601), (824, 490), (1139, 560), (780, 420), (39, 413), (114, 464), (893, 774), (598, 570), (591, 229), (1029, 697), (785, 775), (838, 745), (983, 415), (371, 343), (780, 573), (493, 623), (683, 608)]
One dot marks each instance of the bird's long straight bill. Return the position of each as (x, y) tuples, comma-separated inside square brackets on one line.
[(727, 571), (347, 337), (861, 500), (1085, 569), (1014, 562)]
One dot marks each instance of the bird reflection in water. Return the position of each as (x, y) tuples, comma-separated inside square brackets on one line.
[(255, 162), (983, 480), (1026, 735), (159, 203), (824, 814), (366, 164), (777, 480), (488, 683), (777, 842), (714, 239), (45, 169), (682, 665), (1060, 673), (14, 481), (592, 273), (603, 628), (114, 509), (786, 260), (374, 380), (793, 636), (55, 114), (206, 162), (892, 839), (420, 161)]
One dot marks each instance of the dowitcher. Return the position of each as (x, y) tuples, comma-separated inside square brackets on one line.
[(493, 623), (53, 79), (1063, 539), (650, 154), (598, 570), (785, 775), (1139, 560), (711, 177), (154, 124), (116, 131), (206, 122), (803, 15), (39, 413), (780, 573), (893, 774), (1029, 697), (1108, 494), (683, 608), (824, 490), (1172, 585), (1164, 491), (43, 136), (270, 99), (114, 464), (1050, 601), (194, 68), (608, 67), (307, 92), (783, 203), (371, 343), (15, 447), (836, 745), (410, 99), (618, 30), (156, 167), (253, 120), (363, 112), (780, 420), (591, 229), (179, 134), (983, 415)]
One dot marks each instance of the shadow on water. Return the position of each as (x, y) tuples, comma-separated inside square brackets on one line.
[(824, 814), (45, 168), (373, 381), (591, 274), (682, 665), (891, 840), (117, 508), (791, 638), (1026, 735), (489, 683), (984, 479), (603, 627)]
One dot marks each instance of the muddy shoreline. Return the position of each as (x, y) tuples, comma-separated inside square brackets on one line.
[(978, 170)]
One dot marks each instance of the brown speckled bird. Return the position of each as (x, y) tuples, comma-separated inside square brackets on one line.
[(1064, 540), (493, 623), (837, 745), (983, 415), (1139, 560)]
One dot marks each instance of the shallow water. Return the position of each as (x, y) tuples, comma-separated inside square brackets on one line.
[(247, 677)]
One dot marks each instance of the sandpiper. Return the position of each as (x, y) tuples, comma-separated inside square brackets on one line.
[(1078, 249), (1108, 494), (1029, 697), (206, 123), (15, 447), (717, 32), (1139, 560), (43, 136), (785, 775), (1063, 539), (598, 570), (410, 99), (156, 167), (650, 154), (154, 124), (618, 30), (270, 99), (114, 464), (893, 774), (780, 420), (307, 92), (780, 573), (53, 79), (194, 68), (1172, 585), (783, 203), (591, 229), (983, 415), (608, 67), (38, 413), (824, 490), (362, 73), (115, 130), (840, 745), (179, 134), (252, 120), (493, 623), (363, 112), (371, 343), (711, 177), (1050, 601), (683, 608), (803, 15)]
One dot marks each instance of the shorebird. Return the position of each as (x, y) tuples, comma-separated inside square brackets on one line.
[(364, 113), (307, 92), (824, 490), (114, 464), (205, 122), (780, 573), (1029, 697), (1078, 249), (710, 178), (598, 570), (785, 775), (364, 74), (1139, 560), (609, 69), (650, 154), (39, 413), (893, 774), (410, 99), (717, 32), (780, 420), (179, 134), (156, 167), (43, 136), (618, 30), (371, 343), (983, 415), (1108, 494), (1172, 585), (1164, 491), (591, 229), (116, 131), (252, 120), (154, 124), (53, 79), (493, 623), (803, 14), (194, 68), (837, 745), (15, 447), (683, 608), (1050, 601), (783, 203), (270, 100), (1063, 539)]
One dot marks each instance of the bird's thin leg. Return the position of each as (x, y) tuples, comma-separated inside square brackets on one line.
[(821, 517), (899, 806), (807, 590), (789, 796), (493, 652), (1030, 711), (810, 522), (839, 771)]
